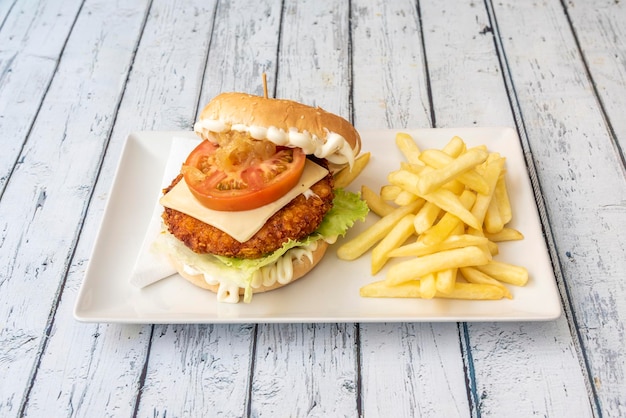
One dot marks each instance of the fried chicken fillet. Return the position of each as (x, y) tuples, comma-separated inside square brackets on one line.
[(295, 221)]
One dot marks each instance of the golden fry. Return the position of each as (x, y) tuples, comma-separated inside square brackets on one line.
[(429, 182), (428, 287), (491, 172), (493, 220), (414, 168), (476, 276), (419, 249), (375, 203), (505, 272), (506, 234), (504, 204), (446, 280), (425, 217), (411, 289), (389, 192), (344, 177), (445, 199), (431, 263), (448, 222), (404, 198), (398, 234), (438, 159), (454, 147), (408, 147), (357, 246)]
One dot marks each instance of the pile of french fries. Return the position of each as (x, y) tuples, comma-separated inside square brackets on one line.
[(444, 211)]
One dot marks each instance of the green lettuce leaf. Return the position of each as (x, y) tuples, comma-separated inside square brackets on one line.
[(347, 209)]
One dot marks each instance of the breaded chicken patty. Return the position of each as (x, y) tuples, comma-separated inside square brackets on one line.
[(296, 220)]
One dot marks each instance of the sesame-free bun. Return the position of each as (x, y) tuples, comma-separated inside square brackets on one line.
[(300, 269), (251, 110)]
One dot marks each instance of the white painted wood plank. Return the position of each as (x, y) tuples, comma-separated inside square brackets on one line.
[(44, 202), (412, 370), (213, 363), (390, 89), (5, 8), (305, 370), (579, 170), (468, 89), (161, 94), (406, 369), (244, 45), (599, 27), (198, 370), (309, 369), (32, 36)]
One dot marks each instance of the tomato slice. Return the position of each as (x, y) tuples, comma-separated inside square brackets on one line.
[(246, 186)]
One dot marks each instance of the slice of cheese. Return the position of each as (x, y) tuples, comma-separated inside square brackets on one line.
[(241, 225)]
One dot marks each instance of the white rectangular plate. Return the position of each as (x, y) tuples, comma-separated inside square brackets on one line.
[(329, 293)]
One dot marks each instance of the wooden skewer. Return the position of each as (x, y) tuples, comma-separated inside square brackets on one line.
[(264, 85)]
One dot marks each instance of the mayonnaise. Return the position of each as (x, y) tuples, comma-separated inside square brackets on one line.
[(280, 271), (333, 147)]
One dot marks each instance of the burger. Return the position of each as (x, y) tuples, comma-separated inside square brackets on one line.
[(254, 207)]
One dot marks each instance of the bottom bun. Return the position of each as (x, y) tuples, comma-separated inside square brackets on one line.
[(300, 269)]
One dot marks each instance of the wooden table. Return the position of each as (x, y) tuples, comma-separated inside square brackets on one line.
[(76, 77)]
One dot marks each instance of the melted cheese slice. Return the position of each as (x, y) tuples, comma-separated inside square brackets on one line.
[(241, 225)]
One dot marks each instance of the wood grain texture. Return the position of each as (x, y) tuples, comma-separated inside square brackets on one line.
[(390, 77), (403, 366), (581, 173), (299, 369), (161, 94), (244, 45), (64, 147), (215, 360), (76, 77), (32, 37), (202, 370), (600, 31), (464, 64), (305, 370)]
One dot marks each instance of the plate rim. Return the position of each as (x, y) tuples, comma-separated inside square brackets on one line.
[(552, 311)]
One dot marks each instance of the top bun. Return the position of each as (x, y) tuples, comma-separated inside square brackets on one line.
[(284, 122)]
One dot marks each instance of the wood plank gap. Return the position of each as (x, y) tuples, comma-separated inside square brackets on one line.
[(350, 68), (594, 88), (473, 399), (252, 370), (566, 303), (281, 20), (357, 327), (429, 91), (278, 50), (144, 369), (68, 262), (574, 326), (43, 98), (6, 16), (359, 367), (50, 321), (199, 105)]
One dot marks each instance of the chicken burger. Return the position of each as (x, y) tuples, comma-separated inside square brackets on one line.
[(254, 206)]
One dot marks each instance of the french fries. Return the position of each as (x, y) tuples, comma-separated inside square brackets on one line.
[(368, 238), (442, 215), (344, 177), (412, 289)]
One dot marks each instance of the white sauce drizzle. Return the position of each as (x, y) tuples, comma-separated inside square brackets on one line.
[(280, 271), (334, 147), (308, 193)]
